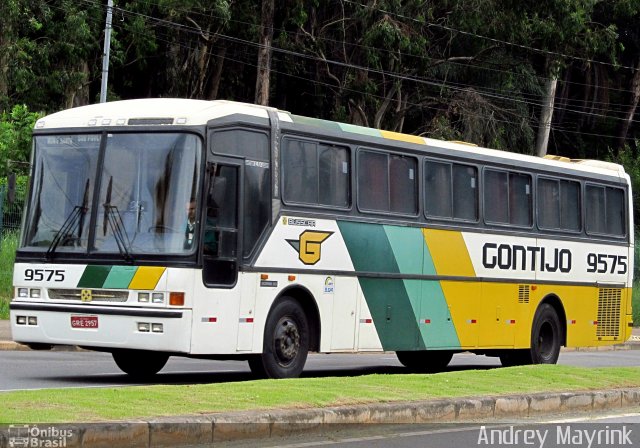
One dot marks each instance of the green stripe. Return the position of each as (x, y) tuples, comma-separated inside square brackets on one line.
[(388, 299), (120, 277), (360, 130), (324, 124), (399, 308), (94, 276)]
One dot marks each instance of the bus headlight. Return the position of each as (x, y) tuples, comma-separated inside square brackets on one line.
[(157, 297), (34, 293), (143, 297), (21, 320), (143, 327), (23, 293)]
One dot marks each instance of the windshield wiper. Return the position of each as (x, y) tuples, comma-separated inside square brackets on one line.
[(113, 219), (76, 217)]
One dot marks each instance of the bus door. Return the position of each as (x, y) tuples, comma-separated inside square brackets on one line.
[(221, 243)]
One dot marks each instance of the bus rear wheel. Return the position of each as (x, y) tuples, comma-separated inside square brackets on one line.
[(546, 339), (140, 364), (286, 342), (425, 360)]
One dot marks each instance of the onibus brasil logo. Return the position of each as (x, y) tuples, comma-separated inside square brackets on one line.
[(309, 245)]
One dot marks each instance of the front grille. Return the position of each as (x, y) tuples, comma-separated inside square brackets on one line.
[(523, 294), (96, 295), (609, 312)]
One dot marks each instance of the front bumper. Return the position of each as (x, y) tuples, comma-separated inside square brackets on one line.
[(117, 326)]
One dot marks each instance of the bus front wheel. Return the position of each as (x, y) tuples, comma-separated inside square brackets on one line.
[(286, 342), (425, 361), (140, 364)]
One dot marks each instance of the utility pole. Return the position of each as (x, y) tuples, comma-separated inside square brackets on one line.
[(105, 53)]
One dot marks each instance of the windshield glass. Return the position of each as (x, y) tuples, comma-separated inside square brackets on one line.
[(148, 184), (148, 187), (62, 190)]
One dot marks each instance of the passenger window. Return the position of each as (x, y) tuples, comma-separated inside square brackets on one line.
[(387, 183), (496, 205), (437, 187), (605, 210), (558, 205), (596, 214), (450, 191), (507, 198), (315, 173), (465, 192)]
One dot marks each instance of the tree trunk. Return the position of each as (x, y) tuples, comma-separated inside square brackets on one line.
[(635, 88), (264, 53), (546, 115), (214, 83)]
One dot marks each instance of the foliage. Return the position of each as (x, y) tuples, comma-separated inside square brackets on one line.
[(8, 246), (15, 139), (473, 69)]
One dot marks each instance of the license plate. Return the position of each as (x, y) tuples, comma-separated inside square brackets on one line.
[(84, 321)]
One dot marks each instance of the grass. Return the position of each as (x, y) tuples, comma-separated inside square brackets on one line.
[(8, 245), (86, 405)]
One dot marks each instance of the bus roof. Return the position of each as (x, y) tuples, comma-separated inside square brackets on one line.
[(186, 112)]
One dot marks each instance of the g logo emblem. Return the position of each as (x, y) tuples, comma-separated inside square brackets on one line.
[(309, 245)]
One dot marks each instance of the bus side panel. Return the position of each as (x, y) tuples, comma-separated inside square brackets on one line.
[(216, 314)]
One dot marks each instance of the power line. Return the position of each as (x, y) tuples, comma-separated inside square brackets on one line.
[(437, 83), (491, 39), (437, 61)]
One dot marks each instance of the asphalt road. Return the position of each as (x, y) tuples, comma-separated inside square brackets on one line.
[(35, 370), (617, 429)]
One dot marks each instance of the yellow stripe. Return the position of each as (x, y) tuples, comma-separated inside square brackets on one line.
[(449, 252), (146, 277), (403, 137)]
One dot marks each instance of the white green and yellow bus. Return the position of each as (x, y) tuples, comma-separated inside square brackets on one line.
[(214, 229)]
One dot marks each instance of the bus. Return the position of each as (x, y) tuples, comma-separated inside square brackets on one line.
[(221, 230)]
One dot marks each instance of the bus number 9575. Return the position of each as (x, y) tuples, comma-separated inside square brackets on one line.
[(38, 275), (603, 263)]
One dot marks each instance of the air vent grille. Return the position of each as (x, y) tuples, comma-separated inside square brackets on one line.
[(96, 296), (609, 312), (523, 293)]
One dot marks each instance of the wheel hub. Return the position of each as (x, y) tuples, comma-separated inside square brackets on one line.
[(287, 340)]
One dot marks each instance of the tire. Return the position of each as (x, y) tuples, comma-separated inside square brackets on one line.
[(546, 339), (427, 361), (286, 342), (546, 336), (140, 364)]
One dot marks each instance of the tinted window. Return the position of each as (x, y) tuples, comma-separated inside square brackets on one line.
[(437, 188), (558, 204), (450, 191), (496, 203), (605, 210), (507, 198), (254, 147), (315, 173), (387, 182)]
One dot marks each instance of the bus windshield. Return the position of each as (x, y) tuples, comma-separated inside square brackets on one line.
[(147, 192)]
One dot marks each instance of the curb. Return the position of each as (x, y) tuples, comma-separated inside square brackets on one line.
[(214, 428)]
